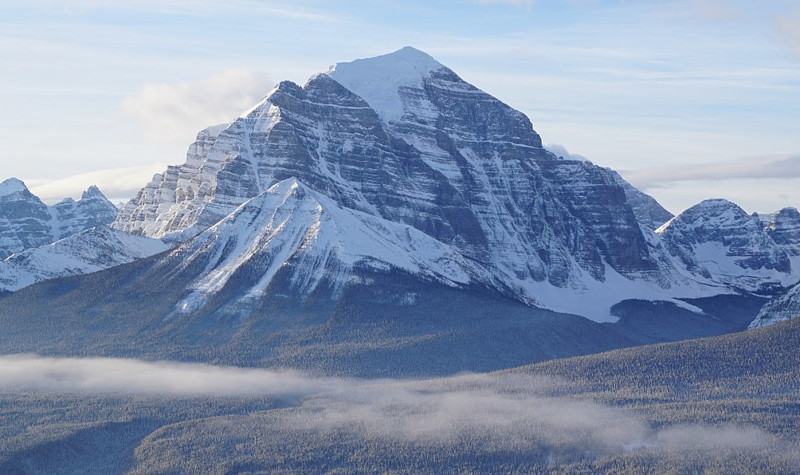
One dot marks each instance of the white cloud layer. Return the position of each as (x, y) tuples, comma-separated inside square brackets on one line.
[(175, 113), (117, 184), (499, 412), (561, 151), (769, 166)]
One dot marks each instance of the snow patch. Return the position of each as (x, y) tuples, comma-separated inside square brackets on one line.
[(377, 80)]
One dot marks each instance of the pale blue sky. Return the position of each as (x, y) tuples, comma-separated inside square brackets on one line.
[(687, 98)]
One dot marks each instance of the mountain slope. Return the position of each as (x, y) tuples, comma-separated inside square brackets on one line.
[(782, 307), (647, 210), (290, 225)]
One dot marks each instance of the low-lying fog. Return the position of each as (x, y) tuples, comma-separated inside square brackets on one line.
[(505, 411)]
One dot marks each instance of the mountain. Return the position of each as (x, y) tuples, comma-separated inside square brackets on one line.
[(26, 222), (93, 209), (720, 241), (81, 253), (351, 230), (404, 139)]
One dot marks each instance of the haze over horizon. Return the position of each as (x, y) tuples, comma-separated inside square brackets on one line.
[(688, 99)]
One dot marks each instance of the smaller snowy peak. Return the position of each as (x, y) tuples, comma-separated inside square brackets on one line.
[(377, 80), (11, 186), (98, 199), (708, 215), (92, 192), (26, 222), (93, 209), (719, 240)]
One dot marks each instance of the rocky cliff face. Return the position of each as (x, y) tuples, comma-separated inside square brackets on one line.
[(26, 222), (719, 240), (649, 212), (93, 209), (784, 229), (24, 219)]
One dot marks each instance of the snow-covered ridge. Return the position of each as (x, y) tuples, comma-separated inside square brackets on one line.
[(781, 308), (88, 251), (324, 242)]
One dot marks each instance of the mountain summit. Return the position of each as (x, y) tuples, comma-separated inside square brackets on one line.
[(379, 80)]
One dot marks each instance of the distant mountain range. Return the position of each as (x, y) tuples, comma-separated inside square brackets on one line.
[(40, 242), (26, 222), (384, 190)]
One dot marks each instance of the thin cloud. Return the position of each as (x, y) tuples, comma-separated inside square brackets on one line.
[(780, 166), (561, 151), (196, 8), (789, 26), (117, 184), (520, 3), (110, 375), (716, 10), (175, 113)]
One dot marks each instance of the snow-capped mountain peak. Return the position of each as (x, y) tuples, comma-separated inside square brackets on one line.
[(405, 140), (377, 80), (11, 186), (92, 192)]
